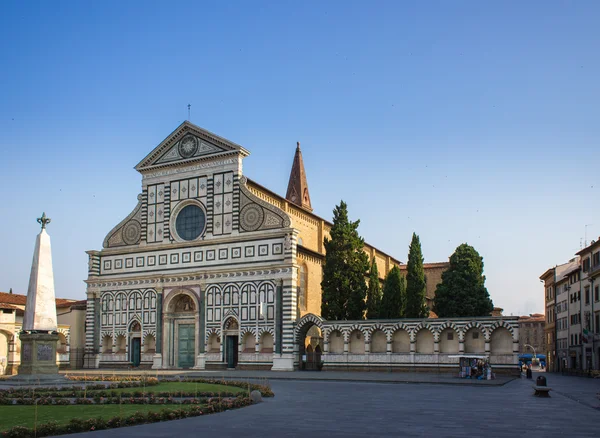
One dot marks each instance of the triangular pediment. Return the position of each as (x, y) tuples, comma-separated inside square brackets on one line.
[(187, 144)]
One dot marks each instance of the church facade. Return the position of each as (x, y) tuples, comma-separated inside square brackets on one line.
[(212, 270)]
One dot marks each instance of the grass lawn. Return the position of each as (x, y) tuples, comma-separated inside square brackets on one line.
[(176, 387), (25, 415)]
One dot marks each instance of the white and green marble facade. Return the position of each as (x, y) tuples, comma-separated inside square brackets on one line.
[(148, 285)]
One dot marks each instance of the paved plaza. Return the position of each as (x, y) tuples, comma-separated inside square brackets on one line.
[(352, 409)]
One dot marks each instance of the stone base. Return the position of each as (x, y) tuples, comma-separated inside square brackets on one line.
[(38, 354), (37, 380), (283, 363), (200, 362), (157, 361)]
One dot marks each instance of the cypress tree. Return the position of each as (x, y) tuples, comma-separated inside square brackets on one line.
[(394, 295), (374, 292), (416, 306), (462, 291), (346, 265)]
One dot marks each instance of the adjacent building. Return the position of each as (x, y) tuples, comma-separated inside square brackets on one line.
[(532, 338), (71, 317), (572, 302), (589, 306)]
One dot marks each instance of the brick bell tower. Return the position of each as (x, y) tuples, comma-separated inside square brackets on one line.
[(297, 191)]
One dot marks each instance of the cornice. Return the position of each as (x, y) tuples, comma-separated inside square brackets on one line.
[(162, 280), (237, 238), (183, 165)]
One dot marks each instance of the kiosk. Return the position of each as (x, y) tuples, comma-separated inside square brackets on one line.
[(474, 366)]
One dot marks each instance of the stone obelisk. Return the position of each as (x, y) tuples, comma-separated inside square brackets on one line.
[(38, 335)]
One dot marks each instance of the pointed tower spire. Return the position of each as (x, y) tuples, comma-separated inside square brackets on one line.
[(297, 192)]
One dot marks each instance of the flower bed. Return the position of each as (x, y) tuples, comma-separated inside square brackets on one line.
[(264, 389), (79, 425)]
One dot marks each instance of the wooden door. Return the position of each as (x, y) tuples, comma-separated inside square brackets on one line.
[(186, 346), (135, 351), (231, 351)]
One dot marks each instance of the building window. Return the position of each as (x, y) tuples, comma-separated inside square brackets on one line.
[(587, 295), (597, 293), (597, 327), (190, 222), (596, 259), (302, 274), (586, 265)]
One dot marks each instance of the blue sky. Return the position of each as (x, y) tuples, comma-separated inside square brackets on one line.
[(464, 121)]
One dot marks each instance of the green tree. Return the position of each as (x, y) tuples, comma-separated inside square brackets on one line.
[(394, 295), (374, 292), (462, 291), (346, 266), (416, 306)]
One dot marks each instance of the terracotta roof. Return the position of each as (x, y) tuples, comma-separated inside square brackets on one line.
[(432, 314), (71, 303), (6, 306), (310, 213), (21, 300), (428, 265), (534, 317)]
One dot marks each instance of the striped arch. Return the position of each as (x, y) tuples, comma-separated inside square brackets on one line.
[(420, 326), (304, 324), (212, 331), (476, 324), (264, 330), (400, 326), (386, 330), (333, 328), (448, 324), (148, 332), (120, 333), (360, 328), (66, 333), (506, 325), (245, 330)]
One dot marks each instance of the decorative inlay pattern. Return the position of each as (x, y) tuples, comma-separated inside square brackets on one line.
[(251, 217), (188, 146)]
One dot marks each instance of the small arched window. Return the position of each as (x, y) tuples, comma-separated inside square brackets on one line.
[(302, 280)]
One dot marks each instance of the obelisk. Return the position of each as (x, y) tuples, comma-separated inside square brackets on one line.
[(38, 335)]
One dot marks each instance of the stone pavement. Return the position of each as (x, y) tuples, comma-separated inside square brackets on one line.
[(360, 409), (373, 377)]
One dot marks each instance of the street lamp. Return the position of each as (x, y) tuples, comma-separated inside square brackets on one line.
[(534, 355)]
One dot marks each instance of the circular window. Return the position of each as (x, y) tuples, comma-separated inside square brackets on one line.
[(190, 222)]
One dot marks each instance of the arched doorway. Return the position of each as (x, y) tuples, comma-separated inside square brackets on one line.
[(181, 320), (135, 343), (309, 343), (231, 334)]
